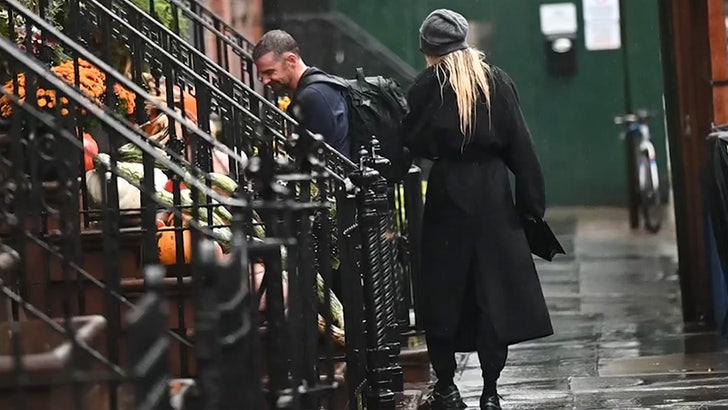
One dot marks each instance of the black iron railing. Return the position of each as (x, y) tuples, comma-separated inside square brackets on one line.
[(235, 104), (172, 67), (214, 36), (149, 346), (292, 181), (399, 261), (226, 326), (45, 233), (361, 50), (219, 334), (101, 221), (198, 25), (339, 170)]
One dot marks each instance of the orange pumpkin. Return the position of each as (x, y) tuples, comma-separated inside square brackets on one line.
[(167, 245), (166, 242)]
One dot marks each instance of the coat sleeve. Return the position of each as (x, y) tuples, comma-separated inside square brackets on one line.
[(520, 153), (416, 128)]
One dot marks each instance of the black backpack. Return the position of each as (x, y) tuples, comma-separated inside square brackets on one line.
[(376, 108)]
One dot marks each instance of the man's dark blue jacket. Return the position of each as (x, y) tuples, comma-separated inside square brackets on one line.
[(321, 108)]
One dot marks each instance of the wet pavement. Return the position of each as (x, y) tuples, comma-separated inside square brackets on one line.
[(619, 339)]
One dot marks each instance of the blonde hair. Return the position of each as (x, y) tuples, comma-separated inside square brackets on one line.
[(467, 73)]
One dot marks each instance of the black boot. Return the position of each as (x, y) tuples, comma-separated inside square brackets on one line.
[(488, 402), (446, 397)]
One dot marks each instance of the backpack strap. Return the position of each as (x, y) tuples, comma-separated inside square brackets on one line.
[(319, 77)]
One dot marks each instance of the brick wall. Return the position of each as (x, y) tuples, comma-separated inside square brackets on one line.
[(244, 15)]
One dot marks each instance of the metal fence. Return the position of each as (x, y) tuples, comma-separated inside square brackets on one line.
[(73, 252), (66, 283), (407, 195), (231, 48), (225, 325)]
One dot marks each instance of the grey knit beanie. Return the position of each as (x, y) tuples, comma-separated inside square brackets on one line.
[(443, 32)]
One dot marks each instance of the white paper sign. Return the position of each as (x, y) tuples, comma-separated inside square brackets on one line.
[(601, 25), (558, 18), (601, 10), (602, 35)]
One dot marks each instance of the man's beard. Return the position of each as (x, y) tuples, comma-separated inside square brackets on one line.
[(278, 86)]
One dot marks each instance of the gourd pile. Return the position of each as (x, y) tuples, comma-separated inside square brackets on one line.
[(215, 215)]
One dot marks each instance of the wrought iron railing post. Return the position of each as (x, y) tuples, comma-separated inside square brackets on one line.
[(150, 344), (349, 252), (226, 326), (393, 281), (382, 345), (207, 331), (280, 356)]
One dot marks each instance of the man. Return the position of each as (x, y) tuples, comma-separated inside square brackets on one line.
[(319, 107)]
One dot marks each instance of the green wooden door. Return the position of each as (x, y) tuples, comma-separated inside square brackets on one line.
[(571, 118)]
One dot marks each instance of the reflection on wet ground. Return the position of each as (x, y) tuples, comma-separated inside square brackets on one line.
[(620, 342)]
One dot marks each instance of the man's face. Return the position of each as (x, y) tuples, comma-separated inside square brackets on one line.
[(276, 70)]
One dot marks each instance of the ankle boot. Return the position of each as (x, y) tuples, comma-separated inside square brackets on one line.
[(490, 402), (446, 397)]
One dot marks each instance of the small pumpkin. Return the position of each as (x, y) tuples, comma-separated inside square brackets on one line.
[(167, 241), (167, 246)]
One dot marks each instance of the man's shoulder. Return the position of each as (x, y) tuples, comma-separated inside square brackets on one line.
[(318, 90), (319, 85), (317, 78)]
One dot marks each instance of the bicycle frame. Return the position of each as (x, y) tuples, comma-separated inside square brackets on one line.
[(645, 146), (642, 172)]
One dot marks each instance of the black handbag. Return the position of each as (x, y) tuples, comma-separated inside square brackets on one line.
[(541, 239)]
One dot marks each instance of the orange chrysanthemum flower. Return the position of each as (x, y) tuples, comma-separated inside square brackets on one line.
[(92, 82)]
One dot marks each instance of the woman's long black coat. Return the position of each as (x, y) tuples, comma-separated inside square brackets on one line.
[(475, 254)]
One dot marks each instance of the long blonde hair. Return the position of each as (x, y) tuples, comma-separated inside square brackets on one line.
[(467, 73)]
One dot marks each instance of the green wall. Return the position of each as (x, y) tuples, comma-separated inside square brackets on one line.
[(571, 118)]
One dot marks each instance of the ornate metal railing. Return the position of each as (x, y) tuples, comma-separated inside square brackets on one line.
[(238, 107), (339, 168), (225, 325), (212, 35), (279, 183), (43, 231)]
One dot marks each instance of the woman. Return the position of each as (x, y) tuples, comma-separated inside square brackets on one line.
[(478, 276)]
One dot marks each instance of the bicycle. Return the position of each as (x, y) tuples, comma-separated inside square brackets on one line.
[(642, 174)]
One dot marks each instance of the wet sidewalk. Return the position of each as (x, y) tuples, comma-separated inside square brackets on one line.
[(619, 339)]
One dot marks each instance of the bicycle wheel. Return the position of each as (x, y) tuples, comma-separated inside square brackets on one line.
[(649, 194), (633, 184)]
